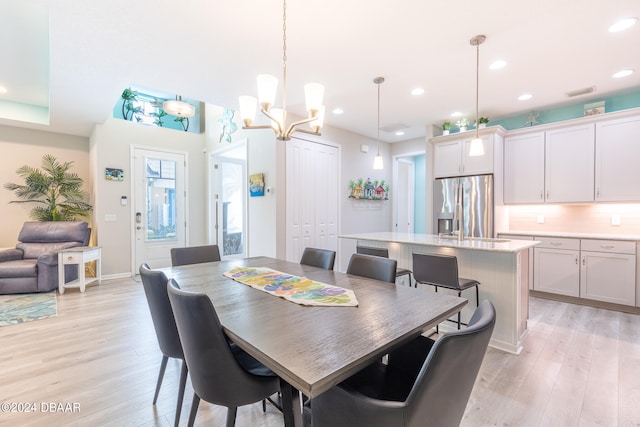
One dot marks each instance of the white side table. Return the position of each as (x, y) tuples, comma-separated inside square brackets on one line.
[(79, 256)]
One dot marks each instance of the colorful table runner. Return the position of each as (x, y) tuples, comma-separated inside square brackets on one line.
[(293, 288)]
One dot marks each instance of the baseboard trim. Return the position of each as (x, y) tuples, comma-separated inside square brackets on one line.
[(587, 302)]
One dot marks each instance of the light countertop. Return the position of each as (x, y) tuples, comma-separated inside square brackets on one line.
[(629, 237), (493, 245)]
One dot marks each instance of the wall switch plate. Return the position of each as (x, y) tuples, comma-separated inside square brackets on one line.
[(540, 219), (615, 219), (110, 217)]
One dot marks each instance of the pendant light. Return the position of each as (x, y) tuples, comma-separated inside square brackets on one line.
[(377, 161), (178, 107), (476, 148)]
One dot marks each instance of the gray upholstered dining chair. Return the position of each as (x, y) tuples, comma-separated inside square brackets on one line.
[(426, 382), (194, 255), (221, 373), (373, 267), (384, 253), (155, 289), (442, 271), (315, 257)]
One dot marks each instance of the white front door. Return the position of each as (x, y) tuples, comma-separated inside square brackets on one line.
[(159, 205)]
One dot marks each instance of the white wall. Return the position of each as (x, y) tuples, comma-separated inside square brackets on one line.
[(261, 158), (20, 147), (359, 216), (110, 148)]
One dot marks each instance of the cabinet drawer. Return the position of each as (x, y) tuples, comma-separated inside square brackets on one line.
[(558, 243), (612, 246), (71, 257)]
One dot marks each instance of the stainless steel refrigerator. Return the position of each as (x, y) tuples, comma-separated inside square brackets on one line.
[(467, 197)]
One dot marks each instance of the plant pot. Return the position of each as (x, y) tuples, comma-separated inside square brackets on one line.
[(482, 125), (445, 132), (463, 128)]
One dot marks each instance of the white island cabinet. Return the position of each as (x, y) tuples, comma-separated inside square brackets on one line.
[(501, 266)]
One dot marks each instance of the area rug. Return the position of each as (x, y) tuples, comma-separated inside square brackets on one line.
[(21, 308)]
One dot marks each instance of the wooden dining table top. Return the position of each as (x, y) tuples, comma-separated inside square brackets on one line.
[(313, 347)]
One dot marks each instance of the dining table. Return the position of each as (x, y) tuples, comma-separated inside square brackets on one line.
[(313, 348)]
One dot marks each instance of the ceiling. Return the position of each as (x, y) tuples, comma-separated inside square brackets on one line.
[(77, 56)]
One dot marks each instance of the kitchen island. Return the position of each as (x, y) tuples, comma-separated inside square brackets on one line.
[(500, 265)]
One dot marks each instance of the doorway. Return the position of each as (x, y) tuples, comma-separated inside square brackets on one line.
[(159, 205), (404, 200), (228, 203)]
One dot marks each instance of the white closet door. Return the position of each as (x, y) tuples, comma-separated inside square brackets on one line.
[(312, 197)]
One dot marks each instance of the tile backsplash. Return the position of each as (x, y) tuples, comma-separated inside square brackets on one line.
[(594, 218)]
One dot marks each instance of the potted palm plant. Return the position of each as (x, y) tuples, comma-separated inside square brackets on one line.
[(56, 192)]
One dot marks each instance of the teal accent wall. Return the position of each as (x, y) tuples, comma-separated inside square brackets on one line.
[(168, 121), (612, 103), (419, 208)]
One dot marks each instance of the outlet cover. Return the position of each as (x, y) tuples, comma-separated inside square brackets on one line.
[(540, 219), (615, 219)]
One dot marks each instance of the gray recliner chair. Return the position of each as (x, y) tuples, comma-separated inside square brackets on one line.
[(33, 265)]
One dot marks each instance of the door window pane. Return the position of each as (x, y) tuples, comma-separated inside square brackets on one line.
[(161, 199)]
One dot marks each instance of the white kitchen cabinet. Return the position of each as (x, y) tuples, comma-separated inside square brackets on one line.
[(608, 271), (556, 266), (451, 157), (569, 164), (617, 153), (524, 168)]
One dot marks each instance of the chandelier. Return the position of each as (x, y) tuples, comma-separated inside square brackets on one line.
[(476, 148), (267, 86)]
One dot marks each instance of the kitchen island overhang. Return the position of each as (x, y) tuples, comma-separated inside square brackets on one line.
[(500, 265)]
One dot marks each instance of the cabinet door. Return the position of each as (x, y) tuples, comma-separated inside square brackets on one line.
[(524, 168), (446, 159), (478, 165), (608, 277), (569, 164), (617, 154), (556, 271)]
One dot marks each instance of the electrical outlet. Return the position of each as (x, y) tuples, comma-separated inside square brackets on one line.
[(540, 219), (615, 219)]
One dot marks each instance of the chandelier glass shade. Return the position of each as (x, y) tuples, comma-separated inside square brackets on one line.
[(177, 107), (267, 89)]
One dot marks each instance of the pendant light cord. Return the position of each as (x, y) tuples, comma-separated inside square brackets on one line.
[(379, 118), (477, 83), (284, 62)]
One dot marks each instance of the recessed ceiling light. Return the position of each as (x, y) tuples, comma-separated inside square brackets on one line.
[(399, 133), (525, 96), (623, 73), (338, 111), (623, 24), (417, 91), (496, 65), (456, 114), (3, 89)]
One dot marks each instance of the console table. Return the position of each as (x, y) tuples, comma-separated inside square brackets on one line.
[(79, 256)]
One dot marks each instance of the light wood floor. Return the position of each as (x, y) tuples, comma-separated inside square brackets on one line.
[(580, 367)]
